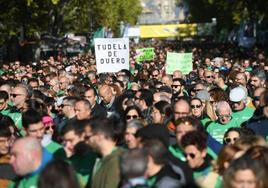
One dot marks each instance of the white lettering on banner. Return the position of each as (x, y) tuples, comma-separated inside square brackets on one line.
[(112, 54)]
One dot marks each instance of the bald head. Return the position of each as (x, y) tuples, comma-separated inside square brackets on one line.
[(26, 155), (29, 144), (106, 93), (182, 108), (177, 74)]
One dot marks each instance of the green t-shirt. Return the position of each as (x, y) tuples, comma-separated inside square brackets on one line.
[(83, 165), (26, 182), (15, 116), (243, 115), (217, 130), (205, 121), (52, 147)]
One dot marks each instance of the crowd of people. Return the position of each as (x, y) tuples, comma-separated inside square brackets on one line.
[(62, 125)]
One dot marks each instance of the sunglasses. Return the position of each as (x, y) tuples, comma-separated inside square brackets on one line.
[(196, 106), (50, 127), (15, 95), (131, 117), (228, 140), (175, 86), (192, 155), (209, 76), (256, 98), (154, 75)]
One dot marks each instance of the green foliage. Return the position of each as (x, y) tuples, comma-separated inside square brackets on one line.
[(229, 13), (56, 17)]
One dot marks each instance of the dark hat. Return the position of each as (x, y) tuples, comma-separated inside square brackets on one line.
[(154, 131)]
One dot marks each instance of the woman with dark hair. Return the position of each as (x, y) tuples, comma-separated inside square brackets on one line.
[(231, 135), (162, 113), (15, 133), (234, 133), (217, 94), (132, 112), (58, 174), (199, 111)]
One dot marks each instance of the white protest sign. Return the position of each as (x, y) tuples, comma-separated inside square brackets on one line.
[(112, 54)]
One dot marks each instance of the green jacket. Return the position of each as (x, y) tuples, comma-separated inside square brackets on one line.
[(107, 173)]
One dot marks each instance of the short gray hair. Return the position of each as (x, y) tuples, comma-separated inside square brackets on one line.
[(259, 73), (135, 123), (223, 104)]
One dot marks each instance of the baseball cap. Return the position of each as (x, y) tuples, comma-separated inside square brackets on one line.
[(203, 95), (237, 94)]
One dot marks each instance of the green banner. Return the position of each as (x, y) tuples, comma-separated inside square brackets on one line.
[(145, 54), (179, 61)]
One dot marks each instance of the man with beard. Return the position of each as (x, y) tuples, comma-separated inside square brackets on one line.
[(178, 88), (257, 79), (79, 154), (102, 137)]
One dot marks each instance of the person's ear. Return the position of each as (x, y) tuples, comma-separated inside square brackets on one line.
[(204, 153)]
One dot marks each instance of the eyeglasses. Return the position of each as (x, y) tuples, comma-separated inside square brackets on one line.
[(196, 90), (209, 76), (175, 86), (154, 75), (15, 95), (256, 98), (196, 106), (50, 127), (228, 140), (192, 155), (224, 116), (131, 117)]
